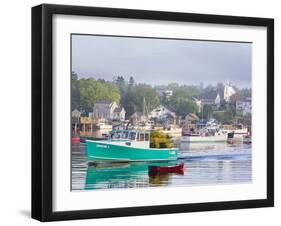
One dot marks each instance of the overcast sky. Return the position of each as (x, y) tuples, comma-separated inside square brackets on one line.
[(162, 61)]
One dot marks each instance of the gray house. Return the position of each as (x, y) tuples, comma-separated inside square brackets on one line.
[(107, 109), (137, 117), (119, 114)]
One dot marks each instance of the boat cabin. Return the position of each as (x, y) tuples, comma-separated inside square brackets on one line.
[(131, 137)]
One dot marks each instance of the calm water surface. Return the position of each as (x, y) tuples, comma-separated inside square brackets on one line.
[(204, 164)]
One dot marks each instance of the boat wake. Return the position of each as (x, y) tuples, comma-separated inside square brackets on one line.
[(232, 154)]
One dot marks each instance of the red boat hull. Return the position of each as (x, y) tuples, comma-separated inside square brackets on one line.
[(75, 139), (154, 170)]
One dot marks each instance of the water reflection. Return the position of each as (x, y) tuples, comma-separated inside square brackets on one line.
[(124, 175), (203, 165)]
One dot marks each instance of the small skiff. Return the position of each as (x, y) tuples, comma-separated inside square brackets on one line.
[(75, 139), (166, 169)]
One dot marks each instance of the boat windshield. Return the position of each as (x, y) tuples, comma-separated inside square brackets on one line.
[(132, 136), (129, 135), (143, 136), (119, 135)]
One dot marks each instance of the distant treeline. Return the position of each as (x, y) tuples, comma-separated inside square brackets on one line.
[(85, 93)]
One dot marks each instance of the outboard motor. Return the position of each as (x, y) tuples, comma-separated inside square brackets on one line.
[(230, 138)]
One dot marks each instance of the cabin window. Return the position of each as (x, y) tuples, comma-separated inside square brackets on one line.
[(124, 135), (142, 137), (116, 136), (147, 137), (132, 136)]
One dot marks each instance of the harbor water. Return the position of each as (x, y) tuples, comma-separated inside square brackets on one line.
[(204, 164)]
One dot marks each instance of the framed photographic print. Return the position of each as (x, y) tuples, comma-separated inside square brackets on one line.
[(145, 112)]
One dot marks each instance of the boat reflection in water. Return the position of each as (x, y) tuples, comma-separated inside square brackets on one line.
[(208, 164), (125, 175)]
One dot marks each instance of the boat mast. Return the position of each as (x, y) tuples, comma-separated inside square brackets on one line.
[(143, 106), (144, 109)]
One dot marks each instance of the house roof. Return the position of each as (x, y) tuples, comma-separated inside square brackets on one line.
[(118, 109), (161, 107), (192, 116), (75, 113), (137, 114)]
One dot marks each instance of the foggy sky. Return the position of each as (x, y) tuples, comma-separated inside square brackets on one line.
[(162, 61)]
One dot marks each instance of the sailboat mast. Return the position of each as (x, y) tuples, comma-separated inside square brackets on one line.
[(143, 106)]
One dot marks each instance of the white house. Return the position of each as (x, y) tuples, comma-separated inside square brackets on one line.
[(218, 101), (107, 109), (119, 114), (244, 106), (228, 92), (167, 93), (211, 98), (161, 112), (75, 113)]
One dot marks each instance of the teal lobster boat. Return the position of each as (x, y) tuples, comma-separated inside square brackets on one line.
[(127, 146)]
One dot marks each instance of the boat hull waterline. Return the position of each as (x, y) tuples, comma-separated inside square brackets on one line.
[(105, 151), (204, 139)]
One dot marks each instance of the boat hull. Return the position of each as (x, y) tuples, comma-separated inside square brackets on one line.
[(155, 170), (102, 151), (75, 139), (204, 139)]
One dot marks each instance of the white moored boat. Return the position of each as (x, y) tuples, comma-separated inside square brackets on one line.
[(208, 134), (204, 139)]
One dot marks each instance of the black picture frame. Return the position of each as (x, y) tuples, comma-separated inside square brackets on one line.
[(42, 108)]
